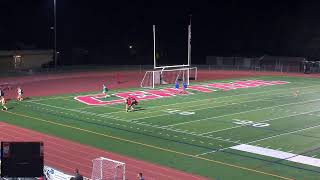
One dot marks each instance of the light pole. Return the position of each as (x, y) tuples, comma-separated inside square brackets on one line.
[(55, 33)]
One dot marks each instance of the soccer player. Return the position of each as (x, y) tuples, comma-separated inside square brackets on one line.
[(2, 100), (296, 93), (185, 86), (177, 85), (20, 94), (128, 103), (131, 102), (134, 102), (105, 90), (140, 176)]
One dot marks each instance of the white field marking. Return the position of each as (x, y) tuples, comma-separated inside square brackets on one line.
[(187, 122), (78, 111), (71, 96), (106, 116), (208, 99), (221, 149), (147, 125), (278, 154), (151, 126), (267, 120), (291, 132), (208, 107)]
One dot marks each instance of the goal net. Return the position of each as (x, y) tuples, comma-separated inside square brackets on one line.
[(108, 169), (155, 78)]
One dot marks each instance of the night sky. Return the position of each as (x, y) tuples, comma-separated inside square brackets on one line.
[(95, 31)]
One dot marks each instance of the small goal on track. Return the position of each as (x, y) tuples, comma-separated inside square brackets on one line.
[(108, 169)]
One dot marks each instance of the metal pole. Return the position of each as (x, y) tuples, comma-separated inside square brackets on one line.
[(55, 34), (154, 47), (189, 42)]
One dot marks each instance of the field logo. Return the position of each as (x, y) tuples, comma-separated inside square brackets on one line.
[(99, 100)]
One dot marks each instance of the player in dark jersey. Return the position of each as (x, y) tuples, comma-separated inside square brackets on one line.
[(105, 90), (184, 86)]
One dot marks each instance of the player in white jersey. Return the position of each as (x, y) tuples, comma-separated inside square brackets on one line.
[(20, 94)]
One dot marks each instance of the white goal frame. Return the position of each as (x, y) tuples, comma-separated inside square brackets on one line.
[(112, 161), (164, 69)]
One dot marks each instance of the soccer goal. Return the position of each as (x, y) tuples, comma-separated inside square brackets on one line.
[(155, 78), (169, 73), (108, 169)]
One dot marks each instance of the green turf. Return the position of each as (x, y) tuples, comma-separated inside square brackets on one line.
[(197, 143)]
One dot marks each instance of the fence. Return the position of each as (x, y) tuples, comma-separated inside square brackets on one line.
[(264, 63)]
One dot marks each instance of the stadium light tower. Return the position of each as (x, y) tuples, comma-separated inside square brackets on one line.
[(55, 33), (189, 40)]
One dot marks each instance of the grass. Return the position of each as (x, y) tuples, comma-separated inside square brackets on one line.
[(198, 143)]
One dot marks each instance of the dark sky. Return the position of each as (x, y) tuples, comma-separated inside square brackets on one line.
[(104, 28)]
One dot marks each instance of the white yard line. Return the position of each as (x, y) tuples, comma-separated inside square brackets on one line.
[(267, 120), (147, 125), (193, 102), (207, 107), (291, 132), (258, 109), (278, 154), (153, 126), (270, 137)]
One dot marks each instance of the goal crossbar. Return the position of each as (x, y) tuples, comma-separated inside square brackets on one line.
[(152, 77), (118, 162), (108, 169)]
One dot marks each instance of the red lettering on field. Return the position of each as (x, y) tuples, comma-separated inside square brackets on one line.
[(161, 93), (237, 85), (94, 100), (175, 91), (99, 99), (248, 83), (223, 86), (262, 83), (140, 95), (201, 89)]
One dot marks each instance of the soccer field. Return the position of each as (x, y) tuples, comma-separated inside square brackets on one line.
[(263, 132)]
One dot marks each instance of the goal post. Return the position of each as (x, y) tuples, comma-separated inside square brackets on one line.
[(165, 76), (169, 73), (108, 169), (155, 64)]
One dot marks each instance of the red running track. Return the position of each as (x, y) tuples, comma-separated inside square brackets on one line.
[(67, 155)]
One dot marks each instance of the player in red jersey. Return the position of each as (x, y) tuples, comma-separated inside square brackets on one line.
[(131, 102)]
